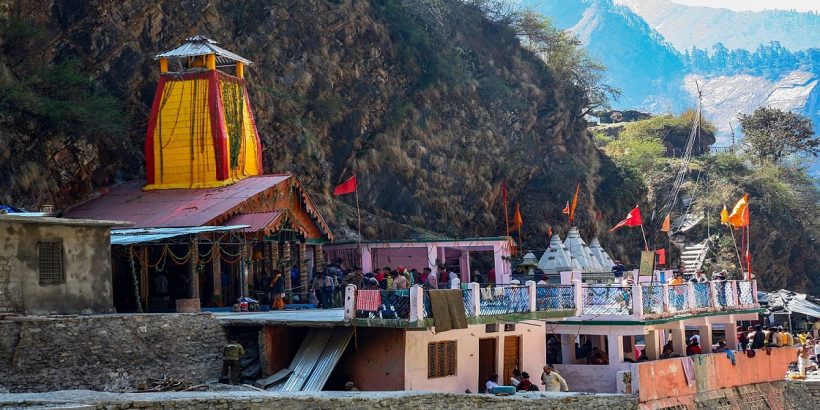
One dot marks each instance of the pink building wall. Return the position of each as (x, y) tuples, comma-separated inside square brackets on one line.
[(662, 379)]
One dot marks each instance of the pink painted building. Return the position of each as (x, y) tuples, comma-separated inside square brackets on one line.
[(454, 254)]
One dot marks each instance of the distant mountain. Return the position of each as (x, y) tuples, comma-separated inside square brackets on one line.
[(687, 26), (647, 69), (654, 76)]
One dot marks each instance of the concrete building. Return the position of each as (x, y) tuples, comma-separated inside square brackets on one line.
[(454, 254), (55, 266)]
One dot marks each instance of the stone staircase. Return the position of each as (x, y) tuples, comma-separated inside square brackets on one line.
[(693, 256)]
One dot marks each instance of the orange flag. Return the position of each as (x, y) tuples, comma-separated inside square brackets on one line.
[(566, 209), (739, 216), (724, 216), (518, 221), (667, 224), (574, 203)]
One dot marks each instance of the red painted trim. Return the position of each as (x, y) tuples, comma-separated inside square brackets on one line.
[(255, 131), (218, 129), (150, 161)]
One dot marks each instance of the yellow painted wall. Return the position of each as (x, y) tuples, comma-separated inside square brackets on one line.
[(183, 142)]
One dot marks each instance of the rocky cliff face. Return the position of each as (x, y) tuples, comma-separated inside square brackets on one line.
[(432, 106)]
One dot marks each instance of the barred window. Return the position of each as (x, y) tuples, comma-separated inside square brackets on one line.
[(441, 359), (50, 263)]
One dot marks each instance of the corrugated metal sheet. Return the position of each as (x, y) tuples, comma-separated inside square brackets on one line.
[(201, 45), (257, 221), (330, 357), (307, 357), (172, 207), (142, 235)]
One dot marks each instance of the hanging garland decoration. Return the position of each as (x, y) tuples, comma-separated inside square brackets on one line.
[(134, 279), (233, 105)]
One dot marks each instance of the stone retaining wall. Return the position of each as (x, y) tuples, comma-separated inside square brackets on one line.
[(325, 401), (107, 352)]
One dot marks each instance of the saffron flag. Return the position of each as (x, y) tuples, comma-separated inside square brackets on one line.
[(347, 187), (738, 217), (549, 232), (666, 226), (633, 218), (517, 220), (574, 203), (661, 256), (724, 216), (566, 209)]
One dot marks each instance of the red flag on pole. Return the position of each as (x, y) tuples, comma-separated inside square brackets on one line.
[(661, 256), (633, 218), (504, 191), (566, 209), (347, 187)]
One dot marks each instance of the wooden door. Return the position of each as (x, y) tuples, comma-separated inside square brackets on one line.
[(511, 357), (486, 362)]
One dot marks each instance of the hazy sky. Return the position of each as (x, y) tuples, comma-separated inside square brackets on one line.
[(740, 5)]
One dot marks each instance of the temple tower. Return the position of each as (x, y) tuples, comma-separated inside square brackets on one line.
[(201, 132)]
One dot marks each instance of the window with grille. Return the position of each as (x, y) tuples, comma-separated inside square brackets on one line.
[(50, 263), (441, 359)]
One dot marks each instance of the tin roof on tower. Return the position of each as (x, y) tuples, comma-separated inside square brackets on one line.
[(200, 45)]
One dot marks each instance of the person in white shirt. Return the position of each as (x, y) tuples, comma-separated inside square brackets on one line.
[(553, 381), (491, 384)]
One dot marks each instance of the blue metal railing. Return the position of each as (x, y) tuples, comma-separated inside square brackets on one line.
[(652, 298), (607, 300), (504, 299), (554, 297)]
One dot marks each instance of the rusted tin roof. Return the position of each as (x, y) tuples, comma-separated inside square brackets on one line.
[(164, 208), (258, 221)]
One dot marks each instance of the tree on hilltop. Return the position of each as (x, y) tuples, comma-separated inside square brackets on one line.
[(772, 135)]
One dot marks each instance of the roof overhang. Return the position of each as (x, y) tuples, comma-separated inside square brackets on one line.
[(146, 235)]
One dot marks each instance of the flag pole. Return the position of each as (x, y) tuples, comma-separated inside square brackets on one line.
[(645, 243), (737, 252), (506, 211), (358, 215)]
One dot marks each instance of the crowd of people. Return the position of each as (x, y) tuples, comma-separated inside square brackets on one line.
[(550, 381), (326, 289)]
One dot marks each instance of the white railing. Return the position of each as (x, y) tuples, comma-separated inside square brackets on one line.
[(640, 301)]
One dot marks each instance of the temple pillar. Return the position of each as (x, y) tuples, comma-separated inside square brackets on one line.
[(705, 333), (319, 257), (731, 336), (304, 275), (567, 349), (615, 345), (193, 271), (652, 341), (216, 270), (679, 341)]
